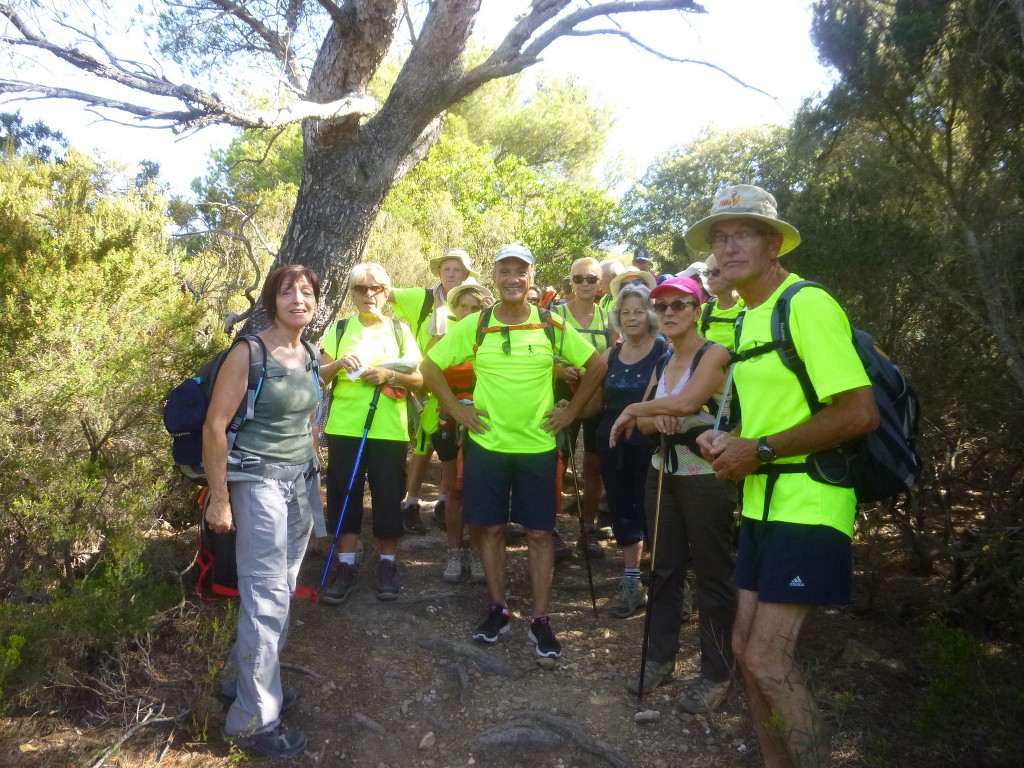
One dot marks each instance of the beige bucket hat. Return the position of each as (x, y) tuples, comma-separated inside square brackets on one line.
[(742, 201)]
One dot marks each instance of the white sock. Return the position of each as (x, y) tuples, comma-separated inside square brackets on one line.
[(349, 558), (410, 501), (389, 558), (443, 497)]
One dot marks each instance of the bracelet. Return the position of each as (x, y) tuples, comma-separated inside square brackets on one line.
[(393, 378)]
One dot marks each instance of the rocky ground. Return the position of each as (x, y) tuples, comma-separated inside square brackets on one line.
[(401, 684)]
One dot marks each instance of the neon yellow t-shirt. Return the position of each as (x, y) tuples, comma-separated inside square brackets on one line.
[(773, 401), (722, 326), (351, 402), (514, 388), (408, 303), (596, 333)]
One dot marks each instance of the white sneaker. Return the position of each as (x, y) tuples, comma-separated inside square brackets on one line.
[(453, 567), (476, 568)]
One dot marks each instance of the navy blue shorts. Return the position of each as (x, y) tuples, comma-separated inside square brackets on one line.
[(794, 564), (509, 487)]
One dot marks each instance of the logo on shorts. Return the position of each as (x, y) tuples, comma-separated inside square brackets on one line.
[(796, 582)]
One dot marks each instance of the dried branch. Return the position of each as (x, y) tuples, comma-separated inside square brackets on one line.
[(520, 49), (666, 57), (149, 719), (279, 45), (204, 108)]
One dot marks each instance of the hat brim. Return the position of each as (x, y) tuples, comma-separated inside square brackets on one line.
[(615, 286), (698, 235), (437, 261), (455, 293)]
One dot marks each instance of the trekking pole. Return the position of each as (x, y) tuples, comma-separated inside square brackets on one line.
[(654, 553), (351, 482), (583, 530), (725, 401)]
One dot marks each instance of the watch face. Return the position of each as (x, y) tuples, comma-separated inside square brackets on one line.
[(765, 453)]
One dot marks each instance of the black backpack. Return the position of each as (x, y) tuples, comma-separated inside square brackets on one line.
[(547, 322), (877, 465), (185, 409)]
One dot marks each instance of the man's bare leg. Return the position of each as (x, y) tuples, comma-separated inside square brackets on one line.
[(540, 550), (786, 716), (491, 541)]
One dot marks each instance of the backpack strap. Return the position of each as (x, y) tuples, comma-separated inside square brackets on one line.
[(705, 316), (254, 383), (547, 323), (425, 310)]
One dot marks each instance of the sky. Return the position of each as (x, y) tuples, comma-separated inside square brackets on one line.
[(656, 104)]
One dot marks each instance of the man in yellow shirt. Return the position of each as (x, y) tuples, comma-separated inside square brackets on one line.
[(509, 453), (795, 535)]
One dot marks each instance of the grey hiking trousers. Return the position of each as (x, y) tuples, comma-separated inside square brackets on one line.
[(273, 530)]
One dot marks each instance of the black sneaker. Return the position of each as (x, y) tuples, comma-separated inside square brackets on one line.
[(412, 521), (288, 695), (439, 518), (590, 542), (544, 638), (494, 625), (279, 743)]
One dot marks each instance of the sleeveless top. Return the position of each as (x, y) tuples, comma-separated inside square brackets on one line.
[(624, 385), (280, 431), (689, 462)]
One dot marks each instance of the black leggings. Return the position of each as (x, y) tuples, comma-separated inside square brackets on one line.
[(383, 463)]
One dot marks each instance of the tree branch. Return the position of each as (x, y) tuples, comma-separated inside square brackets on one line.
[(666, 57), (279, 45), (516, 52)]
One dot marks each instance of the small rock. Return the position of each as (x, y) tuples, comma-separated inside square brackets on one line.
[(647, 716), (428, 740), (854, 653), (545, 662)]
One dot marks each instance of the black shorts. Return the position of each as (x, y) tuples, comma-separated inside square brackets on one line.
[(794, 564), (509, 487)]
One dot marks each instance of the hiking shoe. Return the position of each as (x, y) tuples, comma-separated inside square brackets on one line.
[(288, 697), (387, 580), (453, 566), (439, 517), (476, 567), (344, 578), (704, 696), (632, 598), (544, 638), (655, 673), (411, 520), (686, 613), (589, 540), (494, 625), (562, 550), (279, 743)]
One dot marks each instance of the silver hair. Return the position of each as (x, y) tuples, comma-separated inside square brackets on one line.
[(644, 294), (360, 271)]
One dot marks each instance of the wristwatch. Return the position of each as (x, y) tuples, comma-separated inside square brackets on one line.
[(765, 453), (393, 377)]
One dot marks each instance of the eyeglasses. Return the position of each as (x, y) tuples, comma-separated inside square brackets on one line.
[(741, 239), (368, 290), (714, 272), (677, 306), (632, 313), (533, 300), (589, 279)]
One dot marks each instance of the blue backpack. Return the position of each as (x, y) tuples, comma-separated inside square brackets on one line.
[(186, 406), (877, 465)]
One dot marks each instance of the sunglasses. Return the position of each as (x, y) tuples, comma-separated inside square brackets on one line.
[(368, 290), (714, 272), (589, 279), (677, 306), (533, 300), (506, 342)]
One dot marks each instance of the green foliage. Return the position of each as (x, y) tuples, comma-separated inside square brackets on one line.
[(677, 189), (10, 660), (37, 140), (96, 332)]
